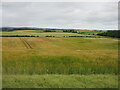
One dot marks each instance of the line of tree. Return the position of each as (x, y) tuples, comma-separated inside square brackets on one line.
[(73, 31), (84, 36), (44, 36), (49, 31), (19, 36), (112, 33)]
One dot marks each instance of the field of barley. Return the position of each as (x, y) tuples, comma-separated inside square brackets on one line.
[(40, 33), (72, 59)]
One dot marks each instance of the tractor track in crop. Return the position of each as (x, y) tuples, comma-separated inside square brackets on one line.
[(27, 45)]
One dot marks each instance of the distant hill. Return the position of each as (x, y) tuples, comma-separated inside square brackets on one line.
[(35, 28), (29, 28)]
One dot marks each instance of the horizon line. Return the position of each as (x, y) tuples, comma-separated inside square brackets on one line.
[(54, 27)]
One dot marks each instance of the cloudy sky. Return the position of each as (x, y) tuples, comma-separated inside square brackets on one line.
[(83, 15)]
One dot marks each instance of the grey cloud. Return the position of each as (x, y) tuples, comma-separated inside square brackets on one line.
[(61, 15)]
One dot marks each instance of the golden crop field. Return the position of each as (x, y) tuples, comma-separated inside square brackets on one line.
[(74, 55), (58, 55)]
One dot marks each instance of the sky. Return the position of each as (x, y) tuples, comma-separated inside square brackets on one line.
[(76, 15)]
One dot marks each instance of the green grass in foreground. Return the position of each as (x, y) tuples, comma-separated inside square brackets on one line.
[(60, 81), (59, 65)]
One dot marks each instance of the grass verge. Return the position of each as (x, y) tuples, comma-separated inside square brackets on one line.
[(60, 81)]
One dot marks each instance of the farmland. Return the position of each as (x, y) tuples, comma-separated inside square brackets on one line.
[(83, 61), (40, 33)]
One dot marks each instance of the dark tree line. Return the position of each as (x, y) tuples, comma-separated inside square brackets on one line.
[(49, 31), (113, 33), (19, 36), (72, 31)]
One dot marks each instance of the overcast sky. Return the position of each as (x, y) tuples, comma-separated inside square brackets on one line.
[(83, 15)]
